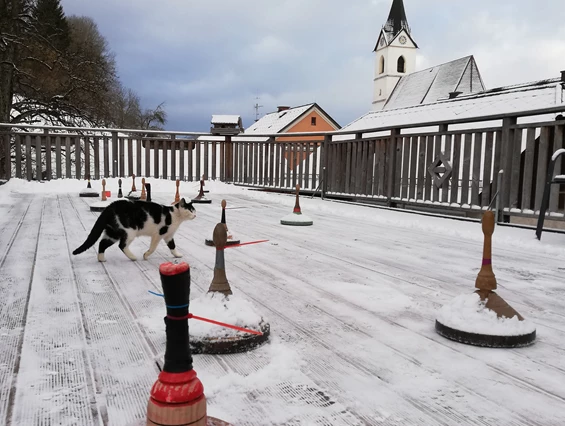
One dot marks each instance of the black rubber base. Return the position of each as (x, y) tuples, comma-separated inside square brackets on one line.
[(90, 194), (242, 342), (97, 209), (485, 340), (200, 201), (133, 198), (291, 223), (229, 243)]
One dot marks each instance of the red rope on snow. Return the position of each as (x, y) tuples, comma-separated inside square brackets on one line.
[(223, 324)]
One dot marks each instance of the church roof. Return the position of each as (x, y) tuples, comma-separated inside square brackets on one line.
[(435, 83), (397, 19), (503, 100)]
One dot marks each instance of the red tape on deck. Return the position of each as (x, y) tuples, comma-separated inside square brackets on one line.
[(245, 244), (223, 324)]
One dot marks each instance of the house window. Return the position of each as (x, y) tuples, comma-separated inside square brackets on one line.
[(313, 121), (382, 65), (401, 65)]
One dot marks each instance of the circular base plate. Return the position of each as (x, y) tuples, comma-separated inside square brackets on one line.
[(89, 194), (485, 340), (133, 197), (297, 223), (201, 200), (212, 421), (100, 206), (229, 243), (242, 342)]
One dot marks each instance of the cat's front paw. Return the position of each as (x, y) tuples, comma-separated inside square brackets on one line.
[(101, 257), (176, 253), (146, 255)]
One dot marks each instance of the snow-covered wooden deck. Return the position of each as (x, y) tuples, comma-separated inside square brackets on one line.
[(351, 302)]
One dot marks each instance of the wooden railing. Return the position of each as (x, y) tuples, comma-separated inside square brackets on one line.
[(448, 166)]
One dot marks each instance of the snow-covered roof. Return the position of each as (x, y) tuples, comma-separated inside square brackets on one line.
[(275, 122), (504, 100), (226, 119), (435, 83)]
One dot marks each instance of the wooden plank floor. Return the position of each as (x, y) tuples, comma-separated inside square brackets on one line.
[(79, 338)]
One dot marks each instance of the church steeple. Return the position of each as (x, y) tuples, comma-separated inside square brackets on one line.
[(395, 53), (396, 21)]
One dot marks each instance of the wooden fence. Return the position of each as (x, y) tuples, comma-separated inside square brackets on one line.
[(438, 169)]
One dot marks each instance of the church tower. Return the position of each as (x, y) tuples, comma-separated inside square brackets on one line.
[(395, 54)]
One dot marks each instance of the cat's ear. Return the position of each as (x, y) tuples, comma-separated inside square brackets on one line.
[(182, 202)]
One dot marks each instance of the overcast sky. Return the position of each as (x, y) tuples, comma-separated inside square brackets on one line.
[(204, 57)]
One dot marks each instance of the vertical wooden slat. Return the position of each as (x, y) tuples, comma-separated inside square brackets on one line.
[(247, 166), (206, 170), (300, 155), (223, 161), (38, 168), (405, 166), (87, 171), (130, 157), (189, 160), (383, 144), (255, 160), (528, 169), (261, 163), (198, 160), (422, 148), (554, 190), (48, 159), (448, 148), (294, 165), (115, 171), (477, 156), (437, 151), (353, 167), (96, 158), (77, 145), (428, 180), (121, 158), (516, 153), (173, 157), (363, 174), (58, 157), (413, 165), (181, 159), (68, 169), (348, 160), (288, 156), (138, 170), (18, 148), (235, 148), (214, 160), (396, 165), (543, 156), (370, 167), (468, 141), (315, 168), (156, 149), (376, 168), (271, 160), (456, 168), (265, 163), (277, 164), (6, 139), (307, 182), (165, 158), (497, 160), (487, 170), (147, 159)]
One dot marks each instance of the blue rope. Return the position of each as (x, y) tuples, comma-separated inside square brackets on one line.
[(168, 306)]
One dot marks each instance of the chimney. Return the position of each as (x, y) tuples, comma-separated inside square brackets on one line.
[(453, 95), (282, 108)]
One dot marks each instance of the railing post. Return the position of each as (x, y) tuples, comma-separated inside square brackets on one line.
[(6, 165), (390, 163), (228, 161), (324, 163), (507, 139), (497, 202)]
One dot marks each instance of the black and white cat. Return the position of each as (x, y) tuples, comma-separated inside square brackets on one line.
[(124, 220)]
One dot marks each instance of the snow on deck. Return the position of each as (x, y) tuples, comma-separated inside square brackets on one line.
[(351, 301)]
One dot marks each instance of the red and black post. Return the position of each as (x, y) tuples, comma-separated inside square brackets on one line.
[(177, 397)]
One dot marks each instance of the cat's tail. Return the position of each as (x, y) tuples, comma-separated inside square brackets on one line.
[(95, 233)]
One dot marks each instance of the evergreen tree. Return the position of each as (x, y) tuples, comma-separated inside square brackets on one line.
[(51, 23)]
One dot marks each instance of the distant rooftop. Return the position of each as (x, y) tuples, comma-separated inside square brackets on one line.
[(226, 119), (275, 122), (435, 83), (503, 100)]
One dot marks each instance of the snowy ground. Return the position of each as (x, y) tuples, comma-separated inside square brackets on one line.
[(351, 301)]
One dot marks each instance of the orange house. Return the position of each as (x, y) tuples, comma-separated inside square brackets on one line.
[(304, 118)]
